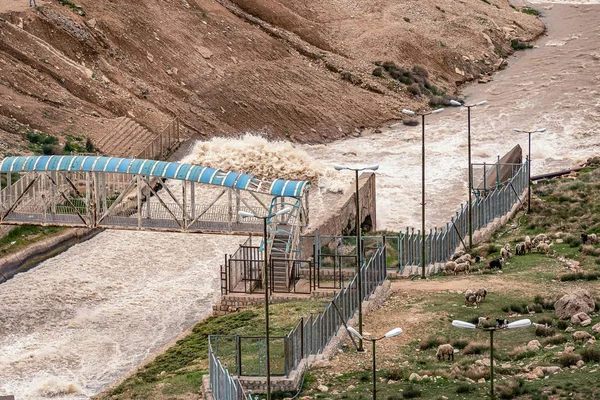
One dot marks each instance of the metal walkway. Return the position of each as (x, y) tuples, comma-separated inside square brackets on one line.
[(126, 193)]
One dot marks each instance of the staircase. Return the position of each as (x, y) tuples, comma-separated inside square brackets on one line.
[(283, 233), (126, 139)]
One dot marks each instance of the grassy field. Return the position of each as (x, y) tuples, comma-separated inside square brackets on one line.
[(24, 235), (562, 208)]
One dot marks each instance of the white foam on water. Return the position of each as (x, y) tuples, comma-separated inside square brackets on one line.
[(82, 319)]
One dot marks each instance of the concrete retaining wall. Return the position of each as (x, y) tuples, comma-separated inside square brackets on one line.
[(342, 219)]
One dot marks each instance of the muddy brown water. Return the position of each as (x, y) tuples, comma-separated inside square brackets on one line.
[(83, 319)]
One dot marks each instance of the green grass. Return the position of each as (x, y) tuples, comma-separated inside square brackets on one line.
[(24, 235), (530, 11)]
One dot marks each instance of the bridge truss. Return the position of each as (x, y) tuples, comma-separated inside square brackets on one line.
[(124, 193)]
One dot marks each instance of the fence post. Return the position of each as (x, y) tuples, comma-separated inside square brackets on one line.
[(238, 347)]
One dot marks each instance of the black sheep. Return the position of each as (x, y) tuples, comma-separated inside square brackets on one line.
[(584, 238), (497, 263)]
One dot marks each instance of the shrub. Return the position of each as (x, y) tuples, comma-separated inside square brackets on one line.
[(414, 89), (530, 11), (364, 377), (432, 342), (518, 308), (590, 354), (545, 321), (568, 359), (516, 44), (395, 374), (459, 343), (521, 352), (419, 70), (378, 72), (510, 388), (475, 348), (573, 241), (562, 324), (535, 307), (411, 392), (556, 339), (464, 388), (543, 331), (547, 303)]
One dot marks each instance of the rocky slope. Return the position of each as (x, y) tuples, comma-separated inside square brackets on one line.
[(301, 70)]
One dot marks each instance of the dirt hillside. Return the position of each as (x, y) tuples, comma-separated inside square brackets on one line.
[(301, 70)]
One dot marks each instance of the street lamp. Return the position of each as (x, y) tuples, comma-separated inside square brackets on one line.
[(266, 285), (529, 164), (522, 323), (394, 332), (409, 112), (358, 241), (457, 104)]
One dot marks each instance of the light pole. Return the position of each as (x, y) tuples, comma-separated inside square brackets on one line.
[(469, 106), (394, 332), (409, 112), (266, 286), (358, 242), (529, 164), (522, 323)]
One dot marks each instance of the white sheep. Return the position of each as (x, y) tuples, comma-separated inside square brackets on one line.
[(444, 350), (504, 253), (449, 268), (528, 244), (464, 258), (541, 238), (462, 267), (520, 249), (581, 335), (458, 254), (482, 321), (593, 238), (543, 247), (481, 293)]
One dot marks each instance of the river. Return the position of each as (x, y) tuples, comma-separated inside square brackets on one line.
[(85, 318)]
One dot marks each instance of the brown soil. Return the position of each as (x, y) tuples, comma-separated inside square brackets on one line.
[(297, 70), (403, 308)]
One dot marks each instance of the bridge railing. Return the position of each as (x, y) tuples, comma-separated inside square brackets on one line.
[(163, 144)]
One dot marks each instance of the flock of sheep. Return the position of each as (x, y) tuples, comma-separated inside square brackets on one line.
[(461, 261)]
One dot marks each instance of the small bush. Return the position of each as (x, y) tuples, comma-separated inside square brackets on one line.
[(530, 11), (545, 321), (475, 348), (516, 44), (562, 324), (432, 342), (573, 241), (406, 19), (547, 303), (419, 70), (395, 374), (518, 308), (556, 339), (459, 343), (543, 331), (464, 388), (575, 276), (411, 392), (378, 72), (521, 352), (414, 89), (590, 354), (364, 377), (535, 307), (568, 359), (510, 388)]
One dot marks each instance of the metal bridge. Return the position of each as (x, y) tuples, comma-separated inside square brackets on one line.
[(125, 193)]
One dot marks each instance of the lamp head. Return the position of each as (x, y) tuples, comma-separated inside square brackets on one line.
[(522, 323), (339, 167), (246, 214), (455, 103), (463, 324), (518, 130), (408, 112), (284, 211), (541, 130), (481, 103), (394, 332), (439, 110), (354, 332), (371, 167)]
